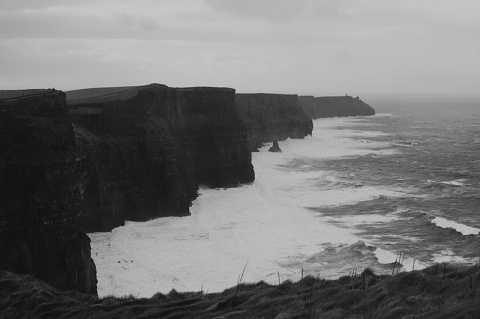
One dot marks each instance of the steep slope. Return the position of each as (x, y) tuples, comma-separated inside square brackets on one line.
[(42, 179), (272, 117), (332, 106), (149, 147)]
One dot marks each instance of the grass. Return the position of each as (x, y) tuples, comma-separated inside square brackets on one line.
[(94, 95), (18, 94), (440, 291)]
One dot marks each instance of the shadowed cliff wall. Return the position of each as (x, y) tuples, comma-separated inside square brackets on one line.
[(148, 148), (42, 179), (332, 106), (272, 117)]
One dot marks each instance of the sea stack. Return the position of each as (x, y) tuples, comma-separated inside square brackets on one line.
[(275, 148)]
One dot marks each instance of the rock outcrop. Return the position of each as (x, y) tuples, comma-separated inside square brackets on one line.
[(275, 148), (272, 117), (333, 106), (148, 148), (42, 179)]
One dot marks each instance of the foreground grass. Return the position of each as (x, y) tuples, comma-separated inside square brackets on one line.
[(440, 291)]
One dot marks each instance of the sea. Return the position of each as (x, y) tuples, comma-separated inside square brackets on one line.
[(402, 185)]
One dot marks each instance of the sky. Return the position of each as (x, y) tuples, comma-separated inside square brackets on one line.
[(277, 46)]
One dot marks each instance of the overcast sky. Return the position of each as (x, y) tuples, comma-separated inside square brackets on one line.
[(280, 46)]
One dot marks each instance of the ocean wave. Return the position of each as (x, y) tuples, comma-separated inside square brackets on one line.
[(387, 257), (369, 219), (448, 256), (457, 182), (336, 260), (406, 144), (384, 115), (364, 133), (436, 184), (461, 228)]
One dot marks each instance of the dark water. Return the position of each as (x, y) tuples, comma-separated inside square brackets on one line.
[(436, 161)]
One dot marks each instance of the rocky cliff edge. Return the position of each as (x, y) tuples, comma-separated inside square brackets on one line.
[(148, 148), (272, 117), (42, 179)]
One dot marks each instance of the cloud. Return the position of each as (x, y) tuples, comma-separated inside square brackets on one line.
[(271, 10), (14, 5), (252, 45)]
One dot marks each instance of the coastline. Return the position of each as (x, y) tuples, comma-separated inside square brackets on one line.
[(228, 227)]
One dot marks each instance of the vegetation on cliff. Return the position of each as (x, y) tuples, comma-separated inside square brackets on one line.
[(441, 291)]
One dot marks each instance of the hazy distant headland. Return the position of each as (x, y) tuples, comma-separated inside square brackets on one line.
[(332, 106), (87, 160)]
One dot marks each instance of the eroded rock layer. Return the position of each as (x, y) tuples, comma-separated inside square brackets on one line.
[(332, 106), (148, 148), (272, 117), (42, 179)]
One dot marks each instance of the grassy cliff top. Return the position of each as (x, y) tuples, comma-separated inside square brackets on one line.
[(105, 94), (15, 94), (442, 291), (92, 95)]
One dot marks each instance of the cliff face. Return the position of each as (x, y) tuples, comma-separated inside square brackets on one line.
[(148, 148), (272, 117), (42, 179), (332, 106)]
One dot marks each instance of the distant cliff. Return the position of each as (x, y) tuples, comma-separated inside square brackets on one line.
[(148, 148), (42, 179), (332, 106), (272, 117)]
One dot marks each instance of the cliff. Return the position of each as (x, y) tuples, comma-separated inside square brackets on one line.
[(332, 106), (149, 147), (272, 117), (42, 179)]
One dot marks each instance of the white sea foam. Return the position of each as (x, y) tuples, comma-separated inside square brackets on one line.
[(355, 220), (384, 115), (461, 228), (364, 133), (457, 182), (387, 257), (448, 256), (266, 223), (227, 228)]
